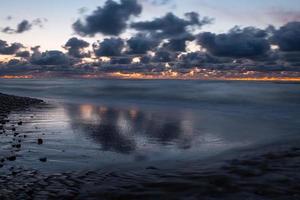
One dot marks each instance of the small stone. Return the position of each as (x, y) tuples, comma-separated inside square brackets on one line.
[(152, 168), (44, 159), (11, 158), (40, 141), (20, 123)]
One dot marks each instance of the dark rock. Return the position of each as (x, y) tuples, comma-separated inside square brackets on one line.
[(152, 168), (40, 141), (44, 159), (11, 158)]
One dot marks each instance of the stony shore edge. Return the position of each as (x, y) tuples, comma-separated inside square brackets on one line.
[(10, 102), (268, 175)]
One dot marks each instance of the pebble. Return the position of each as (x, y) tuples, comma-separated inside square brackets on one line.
[(11, 158), (40, 141), (44, 159)]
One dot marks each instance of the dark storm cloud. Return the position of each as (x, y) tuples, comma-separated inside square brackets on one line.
[(141, 43), (23, 54), (75, 47), (179, 43), (145, 59), (199, 58), (287, 37), (11, 49), (49, 58), (162, 56), (170, 25), (111, 19), (121, 60), (239, 43), (109, 47)]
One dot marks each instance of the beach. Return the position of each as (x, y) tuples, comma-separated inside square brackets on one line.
[(269, 173), (80, 150)]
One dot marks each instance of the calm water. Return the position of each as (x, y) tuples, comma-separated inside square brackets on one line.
[(89, 124)]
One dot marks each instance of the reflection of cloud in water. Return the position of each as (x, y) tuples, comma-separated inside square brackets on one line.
[(127, 130)]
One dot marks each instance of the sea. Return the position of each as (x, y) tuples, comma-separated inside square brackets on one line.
[(91, 123)]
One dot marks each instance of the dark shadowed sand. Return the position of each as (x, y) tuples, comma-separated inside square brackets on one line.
[(270, 172)]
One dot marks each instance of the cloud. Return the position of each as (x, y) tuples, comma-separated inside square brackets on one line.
[(8, 30), (141, 43), (75, 47), (287, 37), (158, 2), (121, 60), (9, 17), (239, 43), (170, 25), (145, 59), (199, 58), (6, 49), (23, 54), (109, 47), (82, 10), (39, 22), (179, 43), (162, 56), (111, 19), (50, 58), (24, 26)]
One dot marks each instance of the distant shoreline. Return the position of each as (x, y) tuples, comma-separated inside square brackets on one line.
[(292, 80)]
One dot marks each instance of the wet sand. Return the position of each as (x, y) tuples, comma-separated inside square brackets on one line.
[(272, 175), (267, 173), (10, 103)]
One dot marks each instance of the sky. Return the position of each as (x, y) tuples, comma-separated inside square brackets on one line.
[(61, 14), (51, 23)]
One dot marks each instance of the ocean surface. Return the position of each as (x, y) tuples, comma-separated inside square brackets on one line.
[(90, 124)]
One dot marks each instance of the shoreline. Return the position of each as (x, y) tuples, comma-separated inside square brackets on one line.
[(255, 174), (9, 103)]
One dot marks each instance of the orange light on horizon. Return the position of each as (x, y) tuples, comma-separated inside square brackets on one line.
[(192, 74), (285, 79), (16, 77)]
